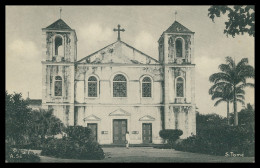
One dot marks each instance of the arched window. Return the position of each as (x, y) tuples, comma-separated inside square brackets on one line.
[(178, 48), (146, 87), (92, 86), (119, 86), (58, 86), (59, 46), (179, 87)]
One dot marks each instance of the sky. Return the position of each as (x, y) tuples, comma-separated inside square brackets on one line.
[(143, 24)]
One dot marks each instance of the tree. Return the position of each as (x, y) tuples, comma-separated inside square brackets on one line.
[(17, 118), (44, 123), (224, 93), (234, 76), (208, 121), (241, 18), (246, 117)]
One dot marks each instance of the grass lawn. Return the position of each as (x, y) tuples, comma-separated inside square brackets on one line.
[(149, 154)]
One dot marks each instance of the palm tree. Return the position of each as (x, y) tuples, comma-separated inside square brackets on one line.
[(223, 93), (234, 76)]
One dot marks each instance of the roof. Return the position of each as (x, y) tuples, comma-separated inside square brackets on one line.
[(58, 25), (35, 102), (119, 52), (177, 27)]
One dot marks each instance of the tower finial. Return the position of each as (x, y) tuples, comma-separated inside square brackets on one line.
[(175, 15), (60, 12)]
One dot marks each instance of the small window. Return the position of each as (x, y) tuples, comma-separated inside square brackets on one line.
[(180, 87), (179, 48), (58, 86), (92, 86), (59, 46), (119, 86), (146, 87)]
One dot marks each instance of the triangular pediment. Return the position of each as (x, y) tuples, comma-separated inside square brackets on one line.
[(92, 118), (177, 27), (59, 25), (118, 53), (119, 112), (147, 118)]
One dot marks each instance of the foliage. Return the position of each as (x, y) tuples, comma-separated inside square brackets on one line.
[(17, 155), (79, 133), (17, 118), (224, 93), (241, 18), (171, 135), (246, 117), (215, 137), (79, 144), (218, 141), (27, 128), (43, 124), (233, 76), (203, 122)]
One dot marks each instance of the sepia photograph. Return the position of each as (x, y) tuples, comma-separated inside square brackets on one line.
[(128, 84)]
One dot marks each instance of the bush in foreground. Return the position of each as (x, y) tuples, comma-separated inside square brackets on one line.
[(219, 140), (79, 144)]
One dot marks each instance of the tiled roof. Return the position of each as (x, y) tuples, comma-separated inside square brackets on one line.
[(35, 102), (59, 25), (177, 27)]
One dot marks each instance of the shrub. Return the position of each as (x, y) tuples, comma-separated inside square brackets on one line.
[(219, 140), (79, 144), (171, 135), (17, 155)]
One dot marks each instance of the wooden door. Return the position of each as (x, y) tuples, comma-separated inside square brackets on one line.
[(93, 127), (147, 133), (119, 131)]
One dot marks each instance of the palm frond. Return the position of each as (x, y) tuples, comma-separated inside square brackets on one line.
[(219, 87), (241, 101), (218, 102), (243, 62), (242, 97), (243, 85), (225, 68), (245, 71), (230, 62), (219, 76), (216, 95), (240, 91)]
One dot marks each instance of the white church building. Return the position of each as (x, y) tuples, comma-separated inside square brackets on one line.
[(119, 88)]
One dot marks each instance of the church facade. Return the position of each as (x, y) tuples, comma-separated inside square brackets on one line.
[(119, 88)]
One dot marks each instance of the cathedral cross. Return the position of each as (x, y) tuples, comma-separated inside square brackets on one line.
[(118, 31)]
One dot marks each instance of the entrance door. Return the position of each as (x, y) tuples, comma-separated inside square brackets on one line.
[(93, 127), (119, 131), (147, 133)]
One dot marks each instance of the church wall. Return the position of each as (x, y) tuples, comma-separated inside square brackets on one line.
[(183, 118), (105, 115), (66, 72), (105, 76)]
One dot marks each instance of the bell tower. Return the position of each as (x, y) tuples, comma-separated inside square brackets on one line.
[(59, 52), (176, 54)]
